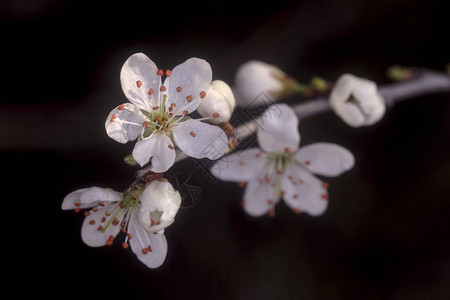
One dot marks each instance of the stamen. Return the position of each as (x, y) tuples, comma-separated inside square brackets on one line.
[(145, 124), (287, 150), (193, 134), (297, 210), (151, 91), (101, 204), (325, 185), (125, 245), (241, 184), (242, 163), (271, 213), (92, 222), (324, 196), (155, 107), (171, 147), (185, 112), (78, 209), (145, 251), (160, 72), (163, 88), (179, 89), (121, 106), (243, 202), (189, 98), (168, 73), (138, 83), (307, 162), (258, 154), (202, 94), (113, 117), (149, 248), (216, 115)]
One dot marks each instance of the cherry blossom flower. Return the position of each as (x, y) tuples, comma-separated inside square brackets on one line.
[(280, 169), (157, 112), (357, 101), (141, 213), (219, 99), (259, 83)]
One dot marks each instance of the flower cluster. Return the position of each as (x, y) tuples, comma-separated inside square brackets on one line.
[(161, 116)]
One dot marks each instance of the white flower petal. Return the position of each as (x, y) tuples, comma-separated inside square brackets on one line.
[(138, 76), (240, 166), (89, 197), (259, 196), (159, 205), (92, 234), (159, 149), (124, 123), (367, 105), (325, 159), (218, 103), (278, 130), (304, 192), (187, 81), (150, 248), (198, 139)]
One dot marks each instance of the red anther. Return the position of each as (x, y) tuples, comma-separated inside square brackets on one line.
[(297, 210), (86, 213), (158, 120), (202, 94), (103, 220), (171, 147), (193, 134), (325, 185), (241, 184), (121, 106), (271, 213), (113, 117), (100, 228), (111, 238), (151, 91), (270, 202), (122, 224), (125, 245), (121, 205), (189, 98), (179, 89), (101, 204), (138, 83), (287, 150), (295, 196), (243, 202), (171, 109), (307, 162), (149, 248), (168, 72), (77, 204), (268, 178), (129, 236), (290, 177), (109, 243), (324, 196), (95, 209), (77, 210), (124, 230), (242, 163), (152, 222), (216, 115), (163, 88), (107, 213), (185, 112), (144, 251), (258, 154), (92, 222), (170, 115), (173, 105), (115, 222), (155, 107), (160, 72), (282, 192), (279, 172), (165, 128), (145, 124)]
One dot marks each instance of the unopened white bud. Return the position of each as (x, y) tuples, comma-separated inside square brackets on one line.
[(218, 103), (357, 101), (159, 205), (257, 83)]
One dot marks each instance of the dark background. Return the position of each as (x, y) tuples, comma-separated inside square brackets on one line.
[(385, 234)]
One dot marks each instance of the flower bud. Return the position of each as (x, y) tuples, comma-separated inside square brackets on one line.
[(357, 101), (218, 103), (159, 205), (255, 79)]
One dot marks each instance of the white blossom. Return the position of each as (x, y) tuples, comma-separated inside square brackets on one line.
[(280, 169), (157, 114), (357, 101), (258, 83), (141, 213), (219, 100)]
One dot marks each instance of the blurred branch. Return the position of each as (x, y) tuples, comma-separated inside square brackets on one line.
[(427, 82)]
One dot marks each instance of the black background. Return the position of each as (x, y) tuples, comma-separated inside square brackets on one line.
[(385, 234)]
